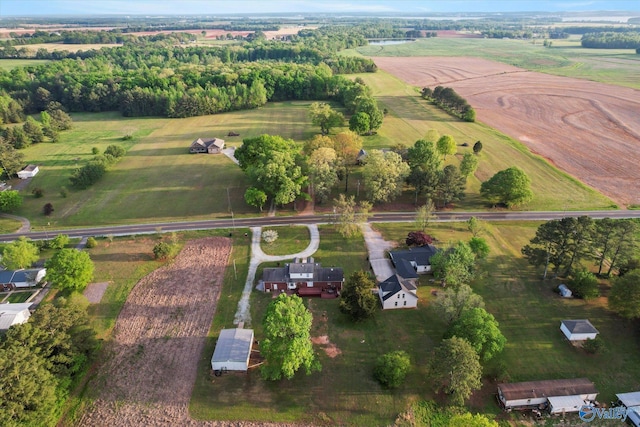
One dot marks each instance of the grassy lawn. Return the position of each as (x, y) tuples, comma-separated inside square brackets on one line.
[(10, 64), (565, 58), (410, 117), (291, 240), (158, 180), (8, 225), (17, 297)]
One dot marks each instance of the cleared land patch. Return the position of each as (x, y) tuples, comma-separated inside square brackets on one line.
[(590, 130)]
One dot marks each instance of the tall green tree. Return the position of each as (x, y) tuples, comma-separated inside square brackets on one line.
[(624, 297), (468, 164), (11, 160), (359, 123), (253, 151), (369, 106), (452, 302), (451, 186), (424, 215), (510, 187), (21, 253), (10, 200), (70, 269), (481, 330), (33, 130), (323, 174), (384, 175), (356, 299), (425, 169), (584, 284), (614, 240), (455, 369), (287, 344), (349, 215), (447, 146), (347, 145), (255, 197), (454, 266), (323, 115)]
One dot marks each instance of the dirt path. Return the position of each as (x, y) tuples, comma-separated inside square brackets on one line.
[(590, 130)]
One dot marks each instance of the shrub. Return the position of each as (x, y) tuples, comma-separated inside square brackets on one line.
[(59, 242), (584, 284), (91, 242), (47, 209), (418, 238), (64, 192), (593, 346), (95, 150), (391, 368), (37, 192), (164, 250), (477, 147), (270, 236), (116, 151)]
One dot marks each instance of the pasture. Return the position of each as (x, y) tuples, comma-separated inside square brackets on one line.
[(158, 180), (10, 64), (564, 58)]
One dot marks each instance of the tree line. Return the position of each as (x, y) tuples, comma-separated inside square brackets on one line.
[(611, 40), (447, 99)]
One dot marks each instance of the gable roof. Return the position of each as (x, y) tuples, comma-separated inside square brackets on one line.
[(328, 274), (421, 255), (405, 269), (547, 388), (207, 142), (580, 326), (234, 345), (395, 284), (13, 276), (8, 313)]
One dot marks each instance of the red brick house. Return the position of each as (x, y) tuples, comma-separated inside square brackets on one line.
[(305, 278)]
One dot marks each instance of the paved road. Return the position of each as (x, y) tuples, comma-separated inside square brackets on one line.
[(124, 230)]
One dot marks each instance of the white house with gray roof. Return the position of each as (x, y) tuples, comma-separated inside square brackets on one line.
[(398, 292)]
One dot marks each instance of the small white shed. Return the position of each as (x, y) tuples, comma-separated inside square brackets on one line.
[(564, 291), (578, 330), (14, 314), (29, 172), (565, 404), (629, 399), (233, 350)]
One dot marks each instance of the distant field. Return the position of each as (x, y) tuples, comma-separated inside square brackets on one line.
[(10, 64), (68, 47), (410, 118), (158, 180), (564, 58)]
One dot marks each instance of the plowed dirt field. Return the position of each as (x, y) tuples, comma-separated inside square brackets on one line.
[(590, 130)]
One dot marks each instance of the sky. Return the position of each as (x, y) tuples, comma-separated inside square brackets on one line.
[(256, 7)]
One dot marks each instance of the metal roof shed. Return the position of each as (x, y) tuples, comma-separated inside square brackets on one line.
[(565, 404), (629, 399), (233, 350)]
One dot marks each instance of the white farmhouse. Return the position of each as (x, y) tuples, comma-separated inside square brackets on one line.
[(396, 292)]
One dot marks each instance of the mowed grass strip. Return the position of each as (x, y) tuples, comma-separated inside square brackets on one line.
[(158, 180), (564, 58), (10, 64), (410, 117)]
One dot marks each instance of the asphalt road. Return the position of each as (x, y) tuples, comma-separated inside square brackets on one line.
[(127, 230)]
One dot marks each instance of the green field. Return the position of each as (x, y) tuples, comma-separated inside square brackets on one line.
[(564, 58), (10, 64), (158, 180), (528, 310), (291, 240)]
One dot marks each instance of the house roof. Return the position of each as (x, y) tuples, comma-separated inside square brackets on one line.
[(234, 345), (8, 313), (207, 142), (405, 269), (328, 274), (580, 326), (629, 399), (301, 268), (547, 388), (6, 276), (30, 168), (13, 276), (319, 273), (395, 284), (275, 274), (421, 255)]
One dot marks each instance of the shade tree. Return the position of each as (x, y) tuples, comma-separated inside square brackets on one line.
[(450, 303), (624, 297), (70, 270), (455, 369), (446, 145), (509, 187), (392, 368), (325, 117), (20, 253), (356, 299), (384, 175), (480, 329)]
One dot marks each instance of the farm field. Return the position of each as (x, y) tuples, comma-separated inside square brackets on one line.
[(410, 117), (158, 180), (566, 57), (10, 64), (587, 129)]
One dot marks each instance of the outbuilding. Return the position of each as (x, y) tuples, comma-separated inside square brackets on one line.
[(578, 330), (13, 314), (631, 401), (29, 172), (540, 394), (233, 350), (564, 291)]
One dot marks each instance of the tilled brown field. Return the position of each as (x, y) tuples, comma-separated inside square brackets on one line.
[(150, 366), (590, 130)]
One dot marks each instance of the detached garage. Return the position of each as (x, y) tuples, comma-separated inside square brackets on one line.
[(233, 350), (578, 330)]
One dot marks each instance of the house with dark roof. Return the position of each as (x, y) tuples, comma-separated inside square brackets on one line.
[(12, 279), (398, 292), (305, 278), (558, 396), (413, 261), (209, 146), (578, 330)]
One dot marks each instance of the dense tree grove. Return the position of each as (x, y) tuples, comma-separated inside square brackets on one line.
[(447, 99), (611, 40)]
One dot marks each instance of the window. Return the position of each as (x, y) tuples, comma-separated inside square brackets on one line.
[(402, 296), (398, 295), (396, 303), (405, 303)]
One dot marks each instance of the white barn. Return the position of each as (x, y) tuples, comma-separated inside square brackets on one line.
[(29, 172), (578, 330), (13, 314), (233, 350), (563, 395)]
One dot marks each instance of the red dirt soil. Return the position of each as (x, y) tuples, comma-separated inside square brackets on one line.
[(150, 365), (590, 130)]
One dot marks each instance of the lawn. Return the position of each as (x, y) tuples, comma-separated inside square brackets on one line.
[(158, 180), (409, 119), (564, 58), (291, 240), (9, 225), (17, 297), (10, 64)]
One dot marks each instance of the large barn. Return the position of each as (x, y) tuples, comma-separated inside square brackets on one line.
[(233, 350), (557, 396)]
